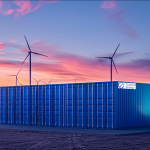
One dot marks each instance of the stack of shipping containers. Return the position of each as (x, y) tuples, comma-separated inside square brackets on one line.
[(109, 105)]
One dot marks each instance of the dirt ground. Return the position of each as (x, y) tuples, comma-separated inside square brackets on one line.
[(19, 139)]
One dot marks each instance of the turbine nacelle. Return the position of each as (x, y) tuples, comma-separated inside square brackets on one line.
[(111, 61), (29, 54)]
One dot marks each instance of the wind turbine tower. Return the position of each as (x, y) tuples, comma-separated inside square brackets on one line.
[(29, 54), (111, 61), (16, 76)]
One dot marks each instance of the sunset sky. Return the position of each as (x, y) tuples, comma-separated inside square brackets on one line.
[(72, 34)]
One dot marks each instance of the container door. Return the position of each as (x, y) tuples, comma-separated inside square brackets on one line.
[(100, 105), (25, 102), (110, 104), (48, 101), (18, 105), (57, 106), (69, 105), (40, 105), (11, 100), (90, 105), (4, 105), (80, 106), (33, 104)]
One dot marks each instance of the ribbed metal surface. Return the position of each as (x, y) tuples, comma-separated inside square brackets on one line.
[(133, 106), (83, 105)]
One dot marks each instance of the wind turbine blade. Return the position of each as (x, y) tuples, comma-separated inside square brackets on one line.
[(25, 59), (115, 50), (35, 79), (11, 75), (19, 82), (18, 71), (124, 54), (27, 43), (38, 54), (41, 79), (102, 57), (44, 82), (14, 45), (115, 66), (50, 80)]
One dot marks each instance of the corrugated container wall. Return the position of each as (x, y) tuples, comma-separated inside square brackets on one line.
[(85, 105), (133, 106)]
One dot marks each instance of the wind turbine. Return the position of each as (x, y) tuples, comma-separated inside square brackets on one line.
[(29, 54), (44, 82), (16, 76), (37, 80), (111, 58), (48, 82), (20, 83)]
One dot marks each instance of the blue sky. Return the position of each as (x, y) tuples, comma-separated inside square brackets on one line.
[(82, 28)]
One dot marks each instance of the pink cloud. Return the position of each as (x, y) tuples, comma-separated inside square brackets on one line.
[(41, 3), (2, 53), (119, 19), (65, 67), (13, 40), (107, 5), (25, 7), (8, 12), (2, 46), (58, 64), (7, 64), (0, 4), (14, 45)]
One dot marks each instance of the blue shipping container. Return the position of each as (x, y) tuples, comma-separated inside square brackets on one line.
[(85, 105)]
